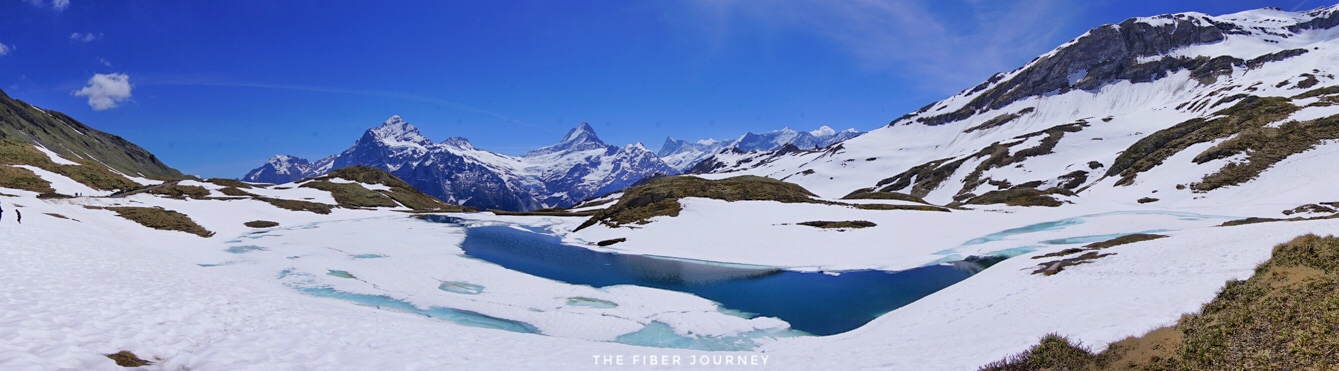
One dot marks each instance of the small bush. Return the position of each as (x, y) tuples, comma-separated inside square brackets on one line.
[(610, 242), (1147, 200)]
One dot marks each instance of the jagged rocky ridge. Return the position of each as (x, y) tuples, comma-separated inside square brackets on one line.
[(581, 166)]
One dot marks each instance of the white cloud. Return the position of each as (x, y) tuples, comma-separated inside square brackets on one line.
[(58, 5), (85, 37), (945, 51), (104, 91), (104, 62), (5, 49)]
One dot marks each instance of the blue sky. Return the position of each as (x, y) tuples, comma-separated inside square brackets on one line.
[(216, 87)]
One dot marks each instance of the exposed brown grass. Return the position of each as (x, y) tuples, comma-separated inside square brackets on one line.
[(180, 191), (867, 195), (899, 207), (20, 178), (1021, 197), (233, 191), (847, 224), (159, 218), (229, 183), (261, 224), (352, 195), (296, 205), (127, 359), (661, 197)]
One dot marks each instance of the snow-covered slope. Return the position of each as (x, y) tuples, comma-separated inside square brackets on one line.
[(1118, 113), (579, 167)]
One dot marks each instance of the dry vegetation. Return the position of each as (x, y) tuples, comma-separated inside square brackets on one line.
[(127, 359), (261, 224), (848, 224), (158, 218), (295, 205), (1285, 317), (178, 191), (661, 197), (1089, 251), (1021, 196), (20, 178)]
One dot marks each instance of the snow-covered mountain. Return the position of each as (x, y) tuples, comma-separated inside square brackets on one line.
[(1168, 107), (682, 155), (281, 169), (582, 166), (579, 167)]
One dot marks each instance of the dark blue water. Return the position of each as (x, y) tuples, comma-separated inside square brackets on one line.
[(813, 302)]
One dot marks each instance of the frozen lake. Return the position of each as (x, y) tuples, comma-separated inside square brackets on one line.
[(818, 303)]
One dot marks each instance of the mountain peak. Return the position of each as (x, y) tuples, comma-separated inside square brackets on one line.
[(580, 138), (583, 132), (397, 131)]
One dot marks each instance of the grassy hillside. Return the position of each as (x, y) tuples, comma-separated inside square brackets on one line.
[(21, 123)]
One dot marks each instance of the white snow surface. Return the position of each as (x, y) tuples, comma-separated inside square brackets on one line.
[(55, 157)]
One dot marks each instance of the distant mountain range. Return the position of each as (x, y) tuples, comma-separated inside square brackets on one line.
[(682, 155), (579, 167)]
